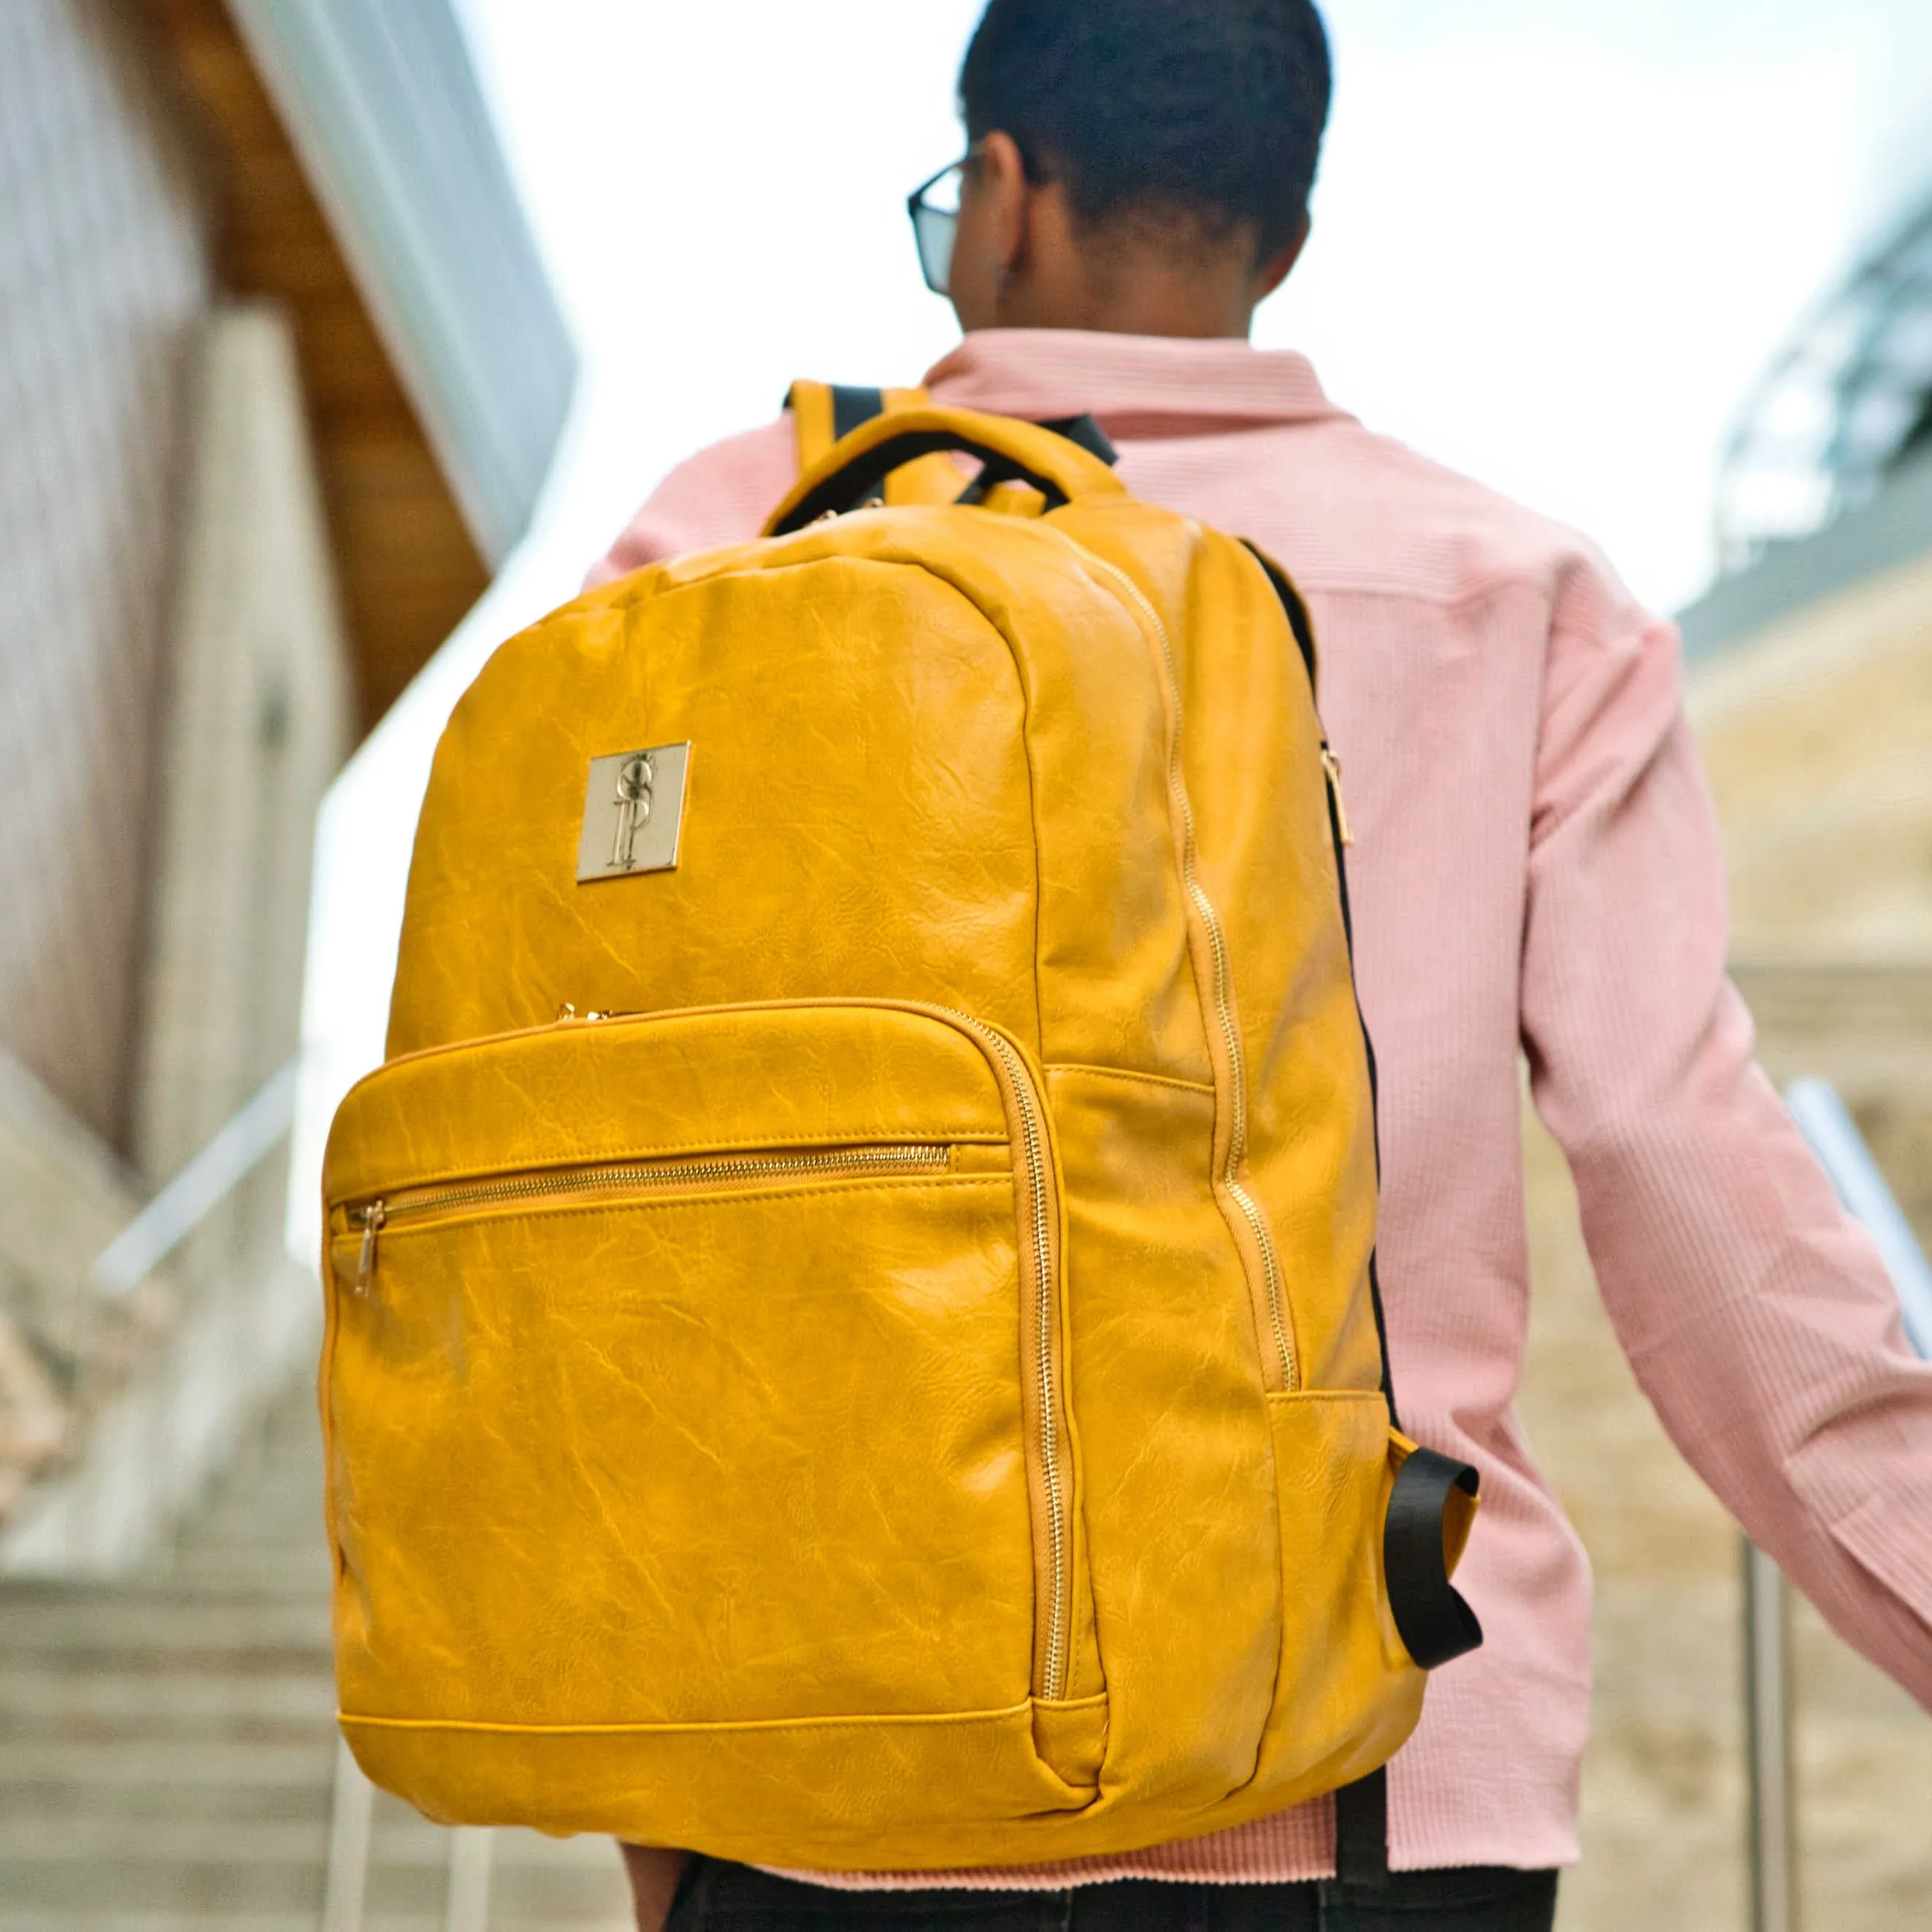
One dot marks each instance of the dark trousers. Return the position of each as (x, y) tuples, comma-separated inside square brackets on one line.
[(715, 1896)]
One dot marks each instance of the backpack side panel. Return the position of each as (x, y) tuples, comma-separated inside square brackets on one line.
[(1346, 1693)]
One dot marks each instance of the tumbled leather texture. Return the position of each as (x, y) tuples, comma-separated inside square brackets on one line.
[(1019, 1504)]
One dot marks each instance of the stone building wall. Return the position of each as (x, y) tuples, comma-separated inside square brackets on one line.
[(1817, 735), (104, 274), (174, 700)]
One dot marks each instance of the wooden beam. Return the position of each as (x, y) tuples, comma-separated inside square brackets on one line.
[(408, 567)]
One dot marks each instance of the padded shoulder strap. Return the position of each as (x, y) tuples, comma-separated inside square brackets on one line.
[(824, 412)]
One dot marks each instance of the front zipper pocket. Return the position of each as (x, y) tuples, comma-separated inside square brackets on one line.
[(672, 1375), (635, 1181)]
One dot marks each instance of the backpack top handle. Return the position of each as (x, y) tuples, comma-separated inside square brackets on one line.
[(1012, 452)]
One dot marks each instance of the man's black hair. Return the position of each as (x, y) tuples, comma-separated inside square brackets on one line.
[(1211, 110)]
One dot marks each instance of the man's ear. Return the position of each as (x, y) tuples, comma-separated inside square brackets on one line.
[(1001, 182), (1276, 269)]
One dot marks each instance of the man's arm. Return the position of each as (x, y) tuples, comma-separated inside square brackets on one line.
[(654, 1876), (1758, 1319), (722, 495)]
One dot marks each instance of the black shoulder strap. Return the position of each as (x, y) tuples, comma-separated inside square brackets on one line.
[(1082, 430), (852, 408), (1087, 432), (1298, 619)]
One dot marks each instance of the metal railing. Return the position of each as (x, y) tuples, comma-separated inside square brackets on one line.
[(473, 1849), (231, 1153), (1833, 1136)]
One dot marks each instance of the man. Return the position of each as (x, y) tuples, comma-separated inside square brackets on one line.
[(1536, 871)]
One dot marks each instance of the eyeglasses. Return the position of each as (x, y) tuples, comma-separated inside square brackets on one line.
[(934, 206)]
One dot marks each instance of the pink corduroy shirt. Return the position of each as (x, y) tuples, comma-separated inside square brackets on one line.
[(1536, 872)]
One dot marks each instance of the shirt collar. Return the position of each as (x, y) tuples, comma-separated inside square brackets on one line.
[(1044, 372)]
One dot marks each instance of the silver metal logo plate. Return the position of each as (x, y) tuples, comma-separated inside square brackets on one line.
[(633, 813)]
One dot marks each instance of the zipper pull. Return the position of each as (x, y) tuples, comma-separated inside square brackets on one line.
[(373, 1216), (1332, 766)]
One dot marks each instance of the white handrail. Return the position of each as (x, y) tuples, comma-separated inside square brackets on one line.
[(466, 1905), (1833, 1136), (236, 1149), (1827, 1125), (351, 1803), (1772, 1789)]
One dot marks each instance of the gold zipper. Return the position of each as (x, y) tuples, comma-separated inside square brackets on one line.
[(1032, 1148), (1332, 766), (374, 1215), (1217, 946)]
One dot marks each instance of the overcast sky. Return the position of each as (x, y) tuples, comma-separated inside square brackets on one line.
[(1555, 241)]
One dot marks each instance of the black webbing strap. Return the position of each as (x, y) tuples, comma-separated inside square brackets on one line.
[(1361, 1833), (853, 409), (1083, 431), (1432, 1616), (854, 406), (857, 482), (1299, 623), (1298, 619)]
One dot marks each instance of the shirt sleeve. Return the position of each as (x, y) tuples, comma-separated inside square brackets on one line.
[(1758, 1317), (722, 495)]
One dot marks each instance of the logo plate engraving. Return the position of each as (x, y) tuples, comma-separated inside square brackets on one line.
[(633, 813)]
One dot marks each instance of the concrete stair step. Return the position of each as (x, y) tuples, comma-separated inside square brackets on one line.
[(401, 1839), (272, 1528), (208, 1764), (179, 1620), (135, 1919), (28, 1842), (223, 1572), (230, 1884), (59, 1809), (126, 1702), (604, 1918), (256, 1873)]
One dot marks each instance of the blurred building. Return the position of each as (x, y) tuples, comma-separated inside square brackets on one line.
[(280, 377), (1811, 659)]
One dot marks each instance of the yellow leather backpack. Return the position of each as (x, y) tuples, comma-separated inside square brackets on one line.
[(852, 1336)]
